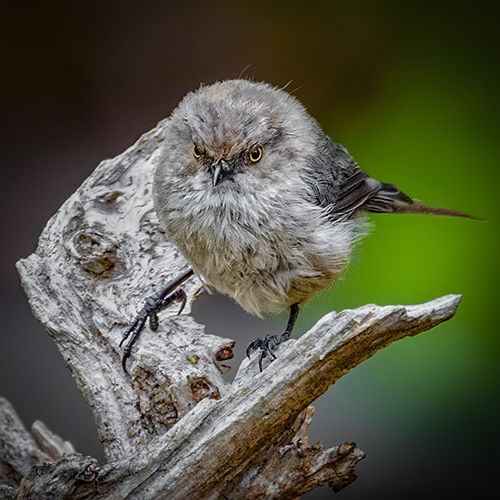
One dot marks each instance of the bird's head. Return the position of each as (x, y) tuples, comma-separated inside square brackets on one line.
[(235, 132)]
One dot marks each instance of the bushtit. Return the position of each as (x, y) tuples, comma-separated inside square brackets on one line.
[(261, 202)]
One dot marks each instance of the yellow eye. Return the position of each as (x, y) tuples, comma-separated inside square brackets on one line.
[(196, 151), (256, 154)]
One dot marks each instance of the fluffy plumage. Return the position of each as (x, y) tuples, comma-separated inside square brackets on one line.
[(274, 232)]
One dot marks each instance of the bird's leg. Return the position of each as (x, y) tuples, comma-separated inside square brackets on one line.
[(269, 343), (294, 313), (156, 303)]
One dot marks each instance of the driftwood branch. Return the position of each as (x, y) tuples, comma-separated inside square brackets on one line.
[(20, 450), (175, 428)]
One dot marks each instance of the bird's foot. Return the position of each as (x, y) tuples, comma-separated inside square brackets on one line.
[(156, 303), (266, 346)]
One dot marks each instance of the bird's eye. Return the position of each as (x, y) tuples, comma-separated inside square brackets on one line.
[(256, 154), (196, 151)]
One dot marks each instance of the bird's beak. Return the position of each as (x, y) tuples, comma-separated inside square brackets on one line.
[(216, 173), (220, 172)]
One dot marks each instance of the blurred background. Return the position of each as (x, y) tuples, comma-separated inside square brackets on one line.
[(411, 89)]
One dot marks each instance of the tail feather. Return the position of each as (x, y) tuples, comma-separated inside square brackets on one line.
[(389, 199), (417, 207)]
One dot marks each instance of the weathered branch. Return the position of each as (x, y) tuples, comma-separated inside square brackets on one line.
[(250, 444), (175, 428), (20, 450), (98, 259)]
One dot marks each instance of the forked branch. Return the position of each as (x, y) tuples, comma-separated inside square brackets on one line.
[(175, 428)]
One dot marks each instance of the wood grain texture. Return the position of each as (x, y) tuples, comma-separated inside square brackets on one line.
[(175, 428)]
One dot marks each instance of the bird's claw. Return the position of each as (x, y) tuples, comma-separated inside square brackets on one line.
[(265, 346), (152, 307)]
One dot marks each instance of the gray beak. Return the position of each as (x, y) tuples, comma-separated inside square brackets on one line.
[(220, 172), (216, 174)]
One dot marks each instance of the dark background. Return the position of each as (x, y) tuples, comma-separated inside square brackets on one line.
[(411, 89)]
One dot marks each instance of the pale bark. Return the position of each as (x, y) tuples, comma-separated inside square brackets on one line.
[(175, 428), (20, 450)]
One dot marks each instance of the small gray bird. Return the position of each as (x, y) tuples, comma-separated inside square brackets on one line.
[(264, 206)]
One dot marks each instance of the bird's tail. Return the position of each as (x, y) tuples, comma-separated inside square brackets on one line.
[(389, 199), (419, 208)]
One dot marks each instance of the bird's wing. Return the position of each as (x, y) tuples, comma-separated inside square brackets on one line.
[(345, 190)]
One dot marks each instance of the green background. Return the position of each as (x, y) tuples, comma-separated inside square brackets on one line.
[(411, 89)]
